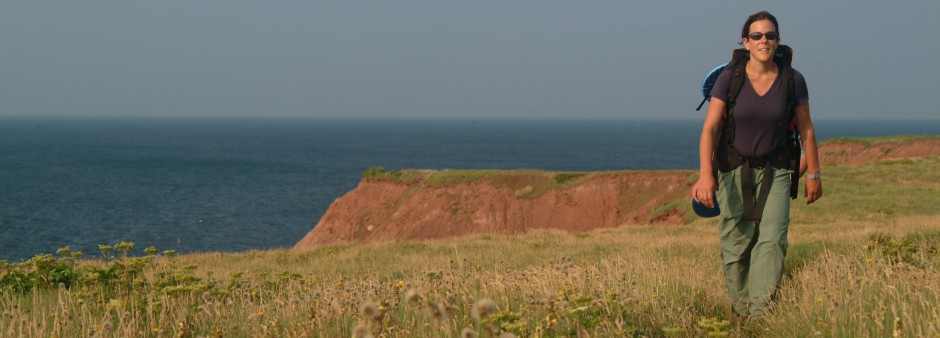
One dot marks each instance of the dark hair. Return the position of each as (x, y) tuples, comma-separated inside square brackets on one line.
[(762, 15)]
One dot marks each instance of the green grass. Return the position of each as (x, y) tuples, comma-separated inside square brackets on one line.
[(881, 191), (875, 140), (527, 183)]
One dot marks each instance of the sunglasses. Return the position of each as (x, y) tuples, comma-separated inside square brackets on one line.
[(756, 36)]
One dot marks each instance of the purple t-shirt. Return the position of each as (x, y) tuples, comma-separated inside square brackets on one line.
[(755, 117)]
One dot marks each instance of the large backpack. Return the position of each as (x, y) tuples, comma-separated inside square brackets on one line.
[(727, 158)]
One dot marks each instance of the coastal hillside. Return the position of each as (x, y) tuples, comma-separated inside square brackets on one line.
[(425, 204), (862, 262)]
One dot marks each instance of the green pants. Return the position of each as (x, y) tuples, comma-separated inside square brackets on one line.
[(753, 254)]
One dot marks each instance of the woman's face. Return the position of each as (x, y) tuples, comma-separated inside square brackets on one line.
[(759, 44)]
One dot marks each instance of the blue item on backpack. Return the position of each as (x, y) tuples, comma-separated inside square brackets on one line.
[(709, 82)]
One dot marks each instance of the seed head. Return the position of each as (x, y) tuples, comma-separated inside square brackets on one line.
[(437, 311), (483, 308), (468, 333), (413, 295), (370, 311), (361, 330)]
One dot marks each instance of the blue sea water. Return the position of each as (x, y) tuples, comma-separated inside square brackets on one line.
[(195, 185)]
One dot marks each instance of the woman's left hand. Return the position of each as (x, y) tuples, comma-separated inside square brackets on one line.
[(813, 189)]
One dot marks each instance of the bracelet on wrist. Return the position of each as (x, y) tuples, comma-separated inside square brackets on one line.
[(815, 176)]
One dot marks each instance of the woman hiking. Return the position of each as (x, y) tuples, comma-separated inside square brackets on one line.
[(748, 152)]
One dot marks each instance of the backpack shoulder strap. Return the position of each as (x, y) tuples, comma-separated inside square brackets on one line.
[(739, 60), (787, 122), (784, 59)]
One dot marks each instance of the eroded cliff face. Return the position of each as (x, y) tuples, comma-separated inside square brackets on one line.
[(384, 209), (426, 204), (850, 152)]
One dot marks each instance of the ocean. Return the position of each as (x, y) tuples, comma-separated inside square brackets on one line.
[(227, 184)]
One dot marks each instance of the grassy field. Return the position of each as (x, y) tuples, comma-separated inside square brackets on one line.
[(862, 262)]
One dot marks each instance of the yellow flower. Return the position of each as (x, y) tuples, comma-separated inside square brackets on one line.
[(156, 330), (869, 260), (400, 284), (261, 313)]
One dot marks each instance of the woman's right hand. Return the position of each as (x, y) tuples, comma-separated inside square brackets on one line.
[(704, 190)]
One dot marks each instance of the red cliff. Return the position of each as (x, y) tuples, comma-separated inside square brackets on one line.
[(416, 204), (435, 204)]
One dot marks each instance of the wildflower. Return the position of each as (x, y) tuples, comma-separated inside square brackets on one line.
[(550, 321), (370, 310), (114, 304), (156, 330), (483, 308), (897, 327), (260, 313), (125, 247), (400, 284)]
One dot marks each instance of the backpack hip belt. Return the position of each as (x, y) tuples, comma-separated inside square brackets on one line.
[(779, 158)]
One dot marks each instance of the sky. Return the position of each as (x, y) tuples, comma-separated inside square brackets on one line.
[(450, 59)]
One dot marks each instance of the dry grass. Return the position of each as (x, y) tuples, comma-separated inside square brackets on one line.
[(849, 272)]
